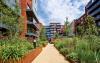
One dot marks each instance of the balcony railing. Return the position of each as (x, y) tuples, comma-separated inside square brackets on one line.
[(91, 3), (97, 17), (95, 6), (32, 34), (3, 26), (95, 12), (32, 23)]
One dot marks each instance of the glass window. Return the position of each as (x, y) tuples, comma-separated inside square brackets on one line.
[(92, 0), (98, 23)]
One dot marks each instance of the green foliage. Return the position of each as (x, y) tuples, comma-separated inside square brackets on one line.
[(64, 51), (85, 49), (73, 56), (88, 28), (42, 43), (59, 45), (14, 48), (56, 35), (9, 17), (67, 29), (43, 34), (91, 26)]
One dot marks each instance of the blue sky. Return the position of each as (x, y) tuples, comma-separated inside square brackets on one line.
[(57, 10)]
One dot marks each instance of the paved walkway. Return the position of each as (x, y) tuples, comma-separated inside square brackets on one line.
[(50, 55)]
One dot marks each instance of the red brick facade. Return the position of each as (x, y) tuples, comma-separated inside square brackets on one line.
[(79, 22), (23, 4)]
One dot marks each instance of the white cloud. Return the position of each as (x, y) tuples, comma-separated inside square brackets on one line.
[(60, 9), (85, 1), (41, 20)]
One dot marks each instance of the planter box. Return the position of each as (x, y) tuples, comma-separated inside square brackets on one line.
[(28, 58)]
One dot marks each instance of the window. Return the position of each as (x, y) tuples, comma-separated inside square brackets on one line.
[(98, 23), (92, 0)]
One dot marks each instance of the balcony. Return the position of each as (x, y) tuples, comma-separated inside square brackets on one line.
[(35, 25), (91, 4), (95, 12), (97, 17), (94, 7), (32, 34), (3, 26)]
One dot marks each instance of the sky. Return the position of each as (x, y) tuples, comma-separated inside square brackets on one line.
[(58, 10)]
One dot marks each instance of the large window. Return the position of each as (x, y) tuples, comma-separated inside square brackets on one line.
[(98, 23), (92, 0)]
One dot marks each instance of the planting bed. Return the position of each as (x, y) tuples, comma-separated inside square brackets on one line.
[(28, 58)]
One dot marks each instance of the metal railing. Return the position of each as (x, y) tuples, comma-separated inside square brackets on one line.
[(95, 12), (93, 7)]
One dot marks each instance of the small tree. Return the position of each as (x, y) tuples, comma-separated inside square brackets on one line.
[(43, 34), (56, 35), (90, 26), (66, 27)]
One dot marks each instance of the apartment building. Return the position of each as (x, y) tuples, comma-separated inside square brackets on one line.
[(30, 21), (78, 22), (5, 6), (93, 9), (54, 28)]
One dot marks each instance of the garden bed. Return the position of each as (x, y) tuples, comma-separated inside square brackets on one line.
[(77, 50), (28, 58), (32, 55)]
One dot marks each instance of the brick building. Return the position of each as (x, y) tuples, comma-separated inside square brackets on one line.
[(6, 4), (30, 21), (78, 22), (93, 9)]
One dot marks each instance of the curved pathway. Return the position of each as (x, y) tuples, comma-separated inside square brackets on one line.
[(50, 55)]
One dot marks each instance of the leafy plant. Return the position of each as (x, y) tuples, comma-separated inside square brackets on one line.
[(14, 48), (73, 56), (64, 51), (59, 45)]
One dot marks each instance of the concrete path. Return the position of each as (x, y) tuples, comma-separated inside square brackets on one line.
[(50, 55)]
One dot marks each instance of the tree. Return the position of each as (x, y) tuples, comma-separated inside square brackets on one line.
[(43, 34), (90, 26), (56, 35), (66, 27)]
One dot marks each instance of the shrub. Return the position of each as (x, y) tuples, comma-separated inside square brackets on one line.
[(73, 56), (42, 43), (60, 45), (14, 48), (84, 49), (64, 51), (88, 49)]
